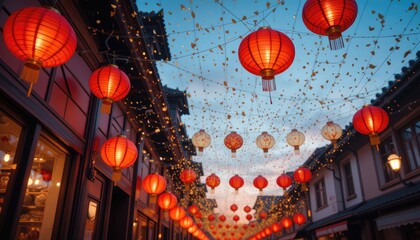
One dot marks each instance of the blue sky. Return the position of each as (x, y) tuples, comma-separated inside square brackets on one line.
[(321, 84)]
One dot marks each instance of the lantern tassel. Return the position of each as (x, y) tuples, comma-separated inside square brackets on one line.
[(334, 35), (337, 43), (304, 187), (116, 174), (374, 140), (152, 198), (212, 191), (269, 85), (106, 106), (285, 193), (165, 214), (236, 192), (30, 73), (261, 192), (233, 154), (334, 142), (297, 152), (200, 151)]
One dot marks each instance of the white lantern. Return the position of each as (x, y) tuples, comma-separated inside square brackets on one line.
[(201, 140), (332, 132), (265, 141), (295, 139)]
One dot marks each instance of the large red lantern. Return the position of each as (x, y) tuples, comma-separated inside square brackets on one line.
[(330, 18), (284, 181), (266, 53), (302, 175), (233, 207), (286, 222), (186, 222), (276, 227), (177, 213), (109, 84), (167, 201), (154, 184), (233, 141), (201, 140), (332, 132), (236, 182), (371, 120), (118, 152), (212, 181), (260, 182), (299, 218), (40, 37), (187, 176)]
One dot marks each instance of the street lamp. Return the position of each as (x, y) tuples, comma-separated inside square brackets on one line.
[(395, 162)]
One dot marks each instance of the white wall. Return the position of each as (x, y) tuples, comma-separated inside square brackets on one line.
[(332, 206)]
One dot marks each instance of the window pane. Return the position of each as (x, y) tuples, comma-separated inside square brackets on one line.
[(349, 179), (386, 149), (410, 136)]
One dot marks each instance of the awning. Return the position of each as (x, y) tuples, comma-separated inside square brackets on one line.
[(399, 218), (334, 228)]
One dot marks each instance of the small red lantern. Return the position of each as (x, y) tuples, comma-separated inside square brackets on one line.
[(227, 226), (235, 218), (235, 226), (154, 184), (371, 120), (192, 229), (236, 182), (109, 84), (248, 217), (222, 218), (266, 53), (233, 141), (186, 222), (193, 209), (260, 182), (177, 213), (198, 215), (302, 175), (276, 227), (263, 215), (330, 18), (212, 181), (268, 231), (211, 217), (187, 176), (118, 152), (233, 207), (245, 227), (167, 201), (299, 218), (284, 181), (286, 222), (247, 209), (41, 37)]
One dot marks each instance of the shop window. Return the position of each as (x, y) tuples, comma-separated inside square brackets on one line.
[(321, 194), (9, 137), (386, 148), (348, 175), (410, 136), (42, 192)]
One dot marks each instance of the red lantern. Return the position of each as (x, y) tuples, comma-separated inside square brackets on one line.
[(235, 218), (247, 209), (286, 222), (235, 226), (211, 217), (233, 207), (284, 181), (198, 215), (154, 184), (267, 231), (260, 182), (299, 218), (118, 152), (192, 229), (263, 215), (40, 37), (193, 209), (227, 226), (330, 18), (266, 53), (276, 227), (236, 182), (248, 217), (109, 84), (302, 175), (177, 213), (188, 176), (212, 181), (167, 201), (371, 120), (222, 218), (186, 222), (245, 227), (233, 141)]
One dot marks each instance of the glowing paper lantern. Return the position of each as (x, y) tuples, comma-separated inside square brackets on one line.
[(167, 201), (193, 209), (247, 209), (192, 229), (284, 181), (177, 213), (299, 218), (263, 215), (266, 53), (236, 182), (201, 140), (222, 218), (118, 152), (295, 139), (332, 132), (268, 231), (198, 215), (154, 184), (40, 37), (233, 141), (276, 227), (286, 222), (233, 207), (186, 222), (236, 218), (187, 176), (302, 175), (260, 182), (109, 84), (265, 141), (211, 217), (329, 18), (371, 120), (212, 181)]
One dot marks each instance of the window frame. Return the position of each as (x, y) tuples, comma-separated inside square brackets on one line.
[(349, 180), (321, 199), (405, 165)]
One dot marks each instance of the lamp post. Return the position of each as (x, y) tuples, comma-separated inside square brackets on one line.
[(395, 162)]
